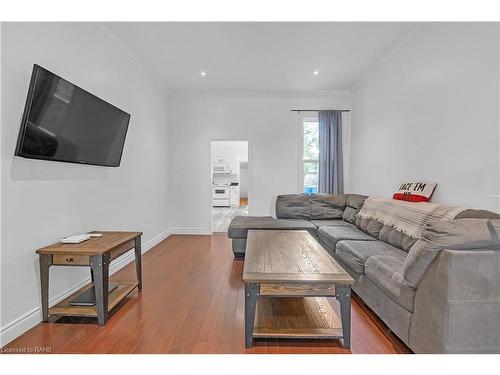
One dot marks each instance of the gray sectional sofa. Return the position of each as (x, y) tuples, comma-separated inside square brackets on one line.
[(439, 293)]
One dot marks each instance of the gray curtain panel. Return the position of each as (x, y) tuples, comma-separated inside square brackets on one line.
[(331, 170)]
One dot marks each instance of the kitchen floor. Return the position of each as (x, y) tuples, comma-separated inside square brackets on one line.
[(222, 216)]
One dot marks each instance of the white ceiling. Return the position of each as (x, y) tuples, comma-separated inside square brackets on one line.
[(259, 56)]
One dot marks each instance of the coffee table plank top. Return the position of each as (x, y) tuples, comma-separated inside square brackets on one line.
[(95, 245), (282, 256)]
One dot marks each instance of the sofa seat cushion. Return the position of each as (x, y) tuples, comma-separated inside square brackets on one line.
[(330, 236), (240, 225), (331, 223), (385, 271), (354, 254)]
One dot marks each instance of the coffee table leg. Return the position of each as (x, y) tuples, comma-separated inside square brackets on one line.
[(252, 293), (100, 268), (343, 295)]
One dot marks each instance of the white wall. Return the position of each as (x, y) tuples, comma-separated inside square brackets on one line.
[(429, 112), (44, 201), (495, 194), (266, 122)]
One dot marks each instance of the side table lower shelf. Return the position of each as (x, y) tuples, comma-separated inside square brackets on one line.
[(63, 308)]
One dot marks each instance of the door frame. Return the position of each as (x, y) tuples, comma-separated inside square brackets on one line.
[(250, 174)]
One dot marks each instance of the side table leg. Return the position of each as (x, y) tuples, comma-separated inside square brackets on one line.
[(252, 293), (45, 263), (100, 268), (343, 295), (138, 256)]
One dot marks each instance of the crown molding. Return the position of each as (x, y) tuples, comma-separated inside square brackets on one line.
[(262, 93), (388, 56), (136, 60)]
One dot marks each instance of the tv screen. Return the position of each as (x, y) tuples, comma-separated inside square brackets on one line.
[(63, 122)]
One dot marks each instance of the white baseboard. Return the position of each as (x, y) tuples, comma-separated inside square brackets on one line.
[(27, 321), (192, 231)]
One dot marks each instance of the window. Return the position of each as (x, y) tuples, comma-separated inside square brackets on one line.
[(311, 155)]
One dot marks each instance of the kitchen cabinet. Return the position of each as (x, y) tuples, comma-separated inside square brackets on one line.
[(234, 196)]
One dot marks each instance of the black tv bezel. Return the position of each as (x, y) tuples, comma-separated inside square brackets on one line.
[(27, 109)]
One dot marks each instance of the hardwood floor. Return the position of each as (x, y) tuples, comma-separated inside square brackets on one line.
[(192, 302)]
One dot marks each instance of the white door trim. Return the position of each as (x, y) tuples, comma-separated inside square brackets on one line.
[(250, 173)]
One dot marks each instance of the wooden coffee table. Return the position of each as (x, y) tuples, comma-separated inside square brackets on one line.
[(292, 264)]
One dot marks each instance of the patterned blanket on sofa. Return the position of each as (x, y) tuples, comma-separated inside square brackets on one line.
[(407, 217)]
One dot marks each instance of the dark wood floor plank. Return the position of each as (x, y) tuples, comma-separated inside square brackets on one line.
[(193, 302)]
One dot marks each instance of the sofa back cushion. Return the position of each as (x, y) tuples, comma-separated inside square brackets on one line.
[(311, 207), (369, 226), (400, 223), (293, 206), (396, 238), (353, 205), (327, 206), (477, 214), (459, 234), (385, 233)]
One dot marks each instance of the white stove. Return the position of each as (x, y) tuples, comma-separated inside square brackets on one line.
[(220, 195), (220, 189), (225, 184)]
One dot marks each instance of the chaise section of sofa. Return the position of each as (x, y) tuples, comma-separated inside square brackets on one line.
[(240, 225)]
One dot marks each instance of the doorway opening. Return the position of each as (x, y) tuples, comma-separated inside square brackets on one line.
[(229, 182)]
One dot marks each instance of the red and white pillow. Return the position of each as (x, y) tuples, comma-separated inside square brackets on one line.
[(415, 191)]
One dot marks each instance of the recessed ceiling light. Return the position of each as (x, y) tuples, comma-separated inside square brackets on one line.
[(203, 73), (316, 72)]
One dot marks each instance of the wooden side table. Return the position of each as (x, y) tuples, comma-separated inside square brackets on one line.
[(96, 253)]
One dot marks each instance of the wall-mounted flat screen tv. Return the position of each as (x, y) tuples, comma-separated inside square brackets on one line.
[(62, 122)]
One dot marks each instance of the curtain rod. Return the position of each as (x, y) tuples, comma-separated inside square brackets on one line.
[(317, 110)]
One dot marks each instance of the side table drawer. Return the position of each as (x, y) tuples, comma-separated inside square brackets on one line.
[(70, 260)]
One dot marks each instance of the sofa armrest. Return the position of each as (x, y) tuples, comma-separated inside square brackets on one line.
[(457, 304)]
